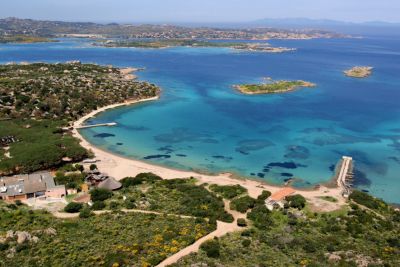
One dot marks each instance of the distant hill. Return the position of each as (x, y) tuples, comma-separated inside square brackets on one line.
[(41, 28), (370, 27)]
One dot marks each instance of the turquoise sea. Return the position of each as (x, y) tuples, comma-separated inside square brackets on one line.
[(201, 123)]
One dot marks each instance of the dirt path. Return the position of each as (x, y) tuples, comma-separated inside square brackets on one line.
[(222, 229)]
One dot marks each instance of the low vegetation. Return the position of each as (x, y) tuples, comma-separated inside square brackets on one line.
[(40, 146), (359, 72), (228, 191), (164, 43), (117, 239), (273, 87), (25, 39), (329, 199), (176, 196), (368, 201), (289, 237), (296, 201), (242, 204)]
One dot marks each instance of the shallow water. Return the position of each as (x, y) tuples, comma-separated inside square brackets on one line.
[(201, 123)]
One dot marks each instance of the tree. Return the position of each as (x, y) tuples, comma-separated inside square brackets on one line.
[(296, 201), (100, 194), (264, 195), (211, 247), (73, 207), (85, 213), (242, 204), (79, 167), (241, 222), (93, 167), (140, 179), (260, 216), (98, 205)]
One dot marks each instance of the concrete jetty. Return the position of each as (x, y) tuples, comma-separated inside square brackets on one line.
[(344, 175), (97, 125)]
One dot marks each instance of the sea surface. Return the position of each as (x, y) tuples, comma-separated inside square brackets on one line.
[(201, 123)]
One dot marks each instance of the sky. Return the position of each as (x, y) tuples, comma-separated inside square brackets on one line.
[(200, 10)]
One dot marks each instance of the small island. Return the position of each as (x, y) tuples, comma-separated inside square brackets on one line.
[(24, 39), (272, 87), (166, 43), (359, 72)]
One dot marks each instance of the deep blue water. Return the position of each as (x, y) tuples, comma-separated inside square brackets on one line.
[(201, 123)]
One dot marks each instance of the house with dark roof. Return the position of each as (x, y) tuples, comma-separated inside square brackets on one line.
[(26, 186)]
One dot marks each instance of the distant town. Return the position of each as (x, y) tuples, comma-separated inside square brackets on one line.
[(37, 28)]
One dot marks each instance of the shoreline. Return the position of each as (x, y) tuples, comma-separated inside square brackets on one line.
[(120, 167)]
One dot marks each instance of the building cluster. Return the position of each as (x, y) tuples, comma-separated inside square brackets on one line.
[(64, 90), (22, 187)]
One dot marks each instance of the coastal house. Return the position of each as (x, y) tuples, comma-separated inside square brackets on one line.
[(21, 187), (277, 199)]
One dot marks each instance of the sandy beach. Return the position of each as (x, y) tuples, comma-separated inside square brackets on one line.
[(128, 73), (120, 167)]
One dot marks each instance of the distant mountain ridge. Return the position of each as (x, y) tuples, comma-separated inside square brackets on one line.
[(301, 22), (44, 28)]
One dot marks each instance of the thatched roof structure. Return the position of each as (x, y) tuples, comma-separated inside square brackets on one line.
[(110, 184)]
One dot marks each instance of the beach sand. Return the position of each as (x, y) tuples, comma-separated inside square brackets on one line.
[(120, 167)]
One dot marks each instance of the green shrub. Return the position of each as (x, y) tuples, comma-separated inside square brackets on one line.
[(73, 207), (114, 205), (12, 206), (4, 246), (100, 194), (228, 191), (70, 181), (296, 201), (246, 243), (140, 179), (241, 222), (129, 204), (242, 204), (85, 213), (18, 202), (367, 200), (260, 216), (93, 167), (211, 247), (21, 247), (98, 205), (264, 195)]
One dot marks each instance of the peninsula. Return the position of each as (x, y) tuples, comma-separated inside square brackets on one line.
[(37, 102), (165, 43), (273, 87), (24, 39), (359, 72)]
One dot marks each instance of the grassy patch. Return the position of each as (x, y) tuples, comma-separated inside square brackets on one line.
[(127, 239), (329, 199), (177, 196), (228, 191)]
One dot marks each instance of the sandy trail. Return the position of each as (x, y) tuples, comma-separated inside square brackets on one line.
[(222, 229)]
